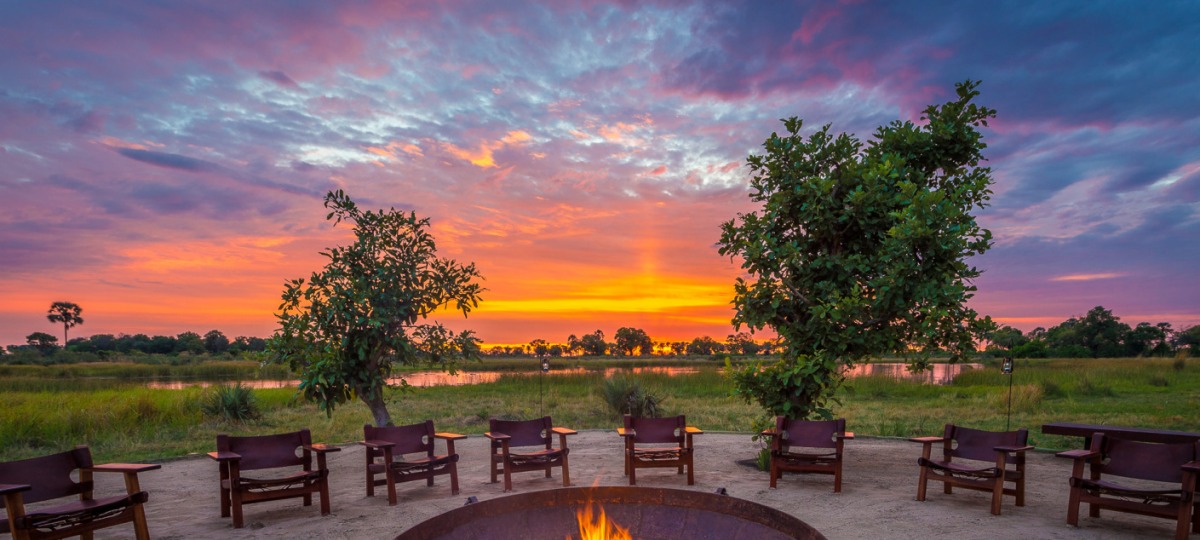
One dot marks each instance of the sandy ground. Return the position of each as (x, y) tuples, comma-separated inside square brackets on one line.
[(877, 499)]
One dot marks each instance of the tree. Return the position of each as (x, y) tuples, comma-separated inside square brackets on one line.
[(66, 313), (189, 342), (345, 327), (593, 344), (215, 342), (703, 346), (1008, 338), (860, 250), (1188, 338), (43, 342), (1143, 339), (629, 340), (742, 343), (539, 347)]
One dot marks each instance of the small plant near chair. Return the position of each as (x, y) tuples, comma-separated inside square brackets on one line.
[(232, 403), (627, 395)]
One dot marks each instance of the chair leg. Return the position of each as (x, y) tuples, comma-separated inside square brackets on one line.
[(1021, 491), (391, 485), (507, 478), (566, 471), (453, 478), (325, 496), (1182, 522), (837, 477), (774, 473), (632, 472), (236, 505), (921, 482), (691, 472), (997, 494), (1073, 507), (141, 531), (494, 480)]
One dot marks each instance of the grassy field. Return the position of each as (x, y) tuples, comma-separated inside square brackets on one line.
[(54, 409)]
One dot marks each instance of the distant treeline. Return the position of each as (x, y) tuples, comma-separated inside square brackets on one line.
[(1099, 334), (214, 343)]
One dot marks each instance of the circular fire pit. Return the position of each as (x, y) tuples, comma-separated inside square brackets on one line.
[(648, 513)]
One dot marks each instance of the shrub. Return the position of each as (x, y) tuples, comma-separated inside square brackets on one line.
[(1180, 362), (626, 395), (233, 403)]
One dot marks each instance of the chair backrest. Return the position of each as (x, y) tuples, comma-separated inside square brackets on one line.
[(1143, 460), (268, 451), (979, 445), (534, 432), (50, 475), (657, 430), (408, 439), (809, 433)]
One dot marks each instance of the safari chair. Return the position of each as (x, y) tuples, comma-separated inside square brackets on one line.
[(238, 454), (988, 455), (47, 478), (658, 442), (391, 444), (808, 446), (1164, 480), (508, 434)]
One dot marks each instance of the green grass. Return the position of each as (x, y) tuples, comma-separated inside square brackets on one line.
[(52, 410)]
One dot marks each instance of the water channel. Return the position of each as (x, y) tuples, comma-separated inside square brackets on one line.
[(938, 374)]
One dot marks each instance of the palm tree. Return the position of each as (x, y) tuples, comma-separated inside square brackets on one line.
[(66, 313)]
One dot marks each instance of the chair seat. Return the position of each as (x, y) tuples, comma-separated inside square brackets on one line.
[(807, 456), (76, 512), (1149, 496), (657, 454), (957, 468), (539, 456), (297, 478)]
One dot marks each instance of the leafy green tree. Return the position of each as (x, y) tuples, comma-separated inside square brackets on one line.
[(67, 314), (631, 341), (1143, 339), (1188, 338), (1008, 338), (704, 346), (43, 342), (349, 323), (539, 347), (593, 344), (860, 250), (189, 342), (215, 342), (742, 343)]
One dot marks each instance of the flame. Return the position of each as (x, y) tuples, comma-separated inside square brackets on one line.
[(598, 526)]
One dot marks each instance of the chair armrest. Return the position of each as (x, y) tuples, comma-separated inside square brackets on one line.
[(5, 489), (126, 467), (563, 431), (626, 432), (769, 433), (927, 440), (1078, 454), (1192, 466), (377, 444), (692, 430), (496, 436), (321, 448), (1013, 449), (846, 435), (449, 436), (225, 456)]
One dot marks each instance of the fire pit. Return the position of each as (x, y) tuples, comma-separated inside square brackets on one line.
[(647, 513)]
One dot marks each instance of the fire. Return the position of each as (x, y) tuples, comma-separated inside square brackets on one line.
[(598, 527)]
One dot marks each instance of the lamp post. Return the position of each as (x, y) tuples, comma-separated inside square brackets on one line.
[(541, 378), (1007, 369)]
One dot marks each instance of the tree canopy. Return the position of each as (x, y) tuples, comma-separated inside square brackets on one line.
[(67, 314), (631, 341), (345, 326), (860, 250)]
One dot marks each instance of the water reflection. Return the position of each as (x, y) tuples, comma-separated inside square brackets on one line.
[(939, 374)]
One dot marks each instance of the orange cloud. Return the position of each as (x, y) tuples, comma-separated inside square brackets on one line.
[(1087, 277)]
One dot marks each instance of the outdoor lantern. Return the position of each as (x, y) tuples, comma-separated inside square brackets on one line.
[(1005, 368), (545, 365)]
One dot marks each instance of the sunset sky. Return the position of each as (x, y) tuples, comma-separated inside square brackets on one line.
[(162, 164)]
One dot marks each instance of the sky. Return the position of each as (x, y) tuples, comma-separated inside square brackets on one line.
[(163, 164)]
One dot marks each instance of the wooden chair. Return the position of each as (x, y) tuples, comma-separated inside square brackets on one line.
[(386, 454), (808, 446), (238, 454), (672, 445), (1165, 480), (508, 434), (996, 451), (49, 477)]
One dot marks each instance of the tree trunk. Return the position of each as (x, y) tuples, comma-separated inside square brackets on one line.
[(378, 407)]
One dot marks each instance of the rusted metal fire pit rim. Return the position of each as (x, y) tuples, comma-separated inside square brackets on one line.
[(443, 525)]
